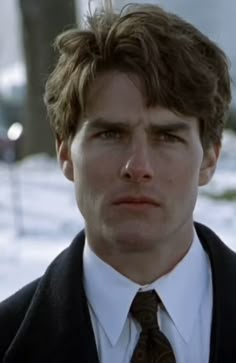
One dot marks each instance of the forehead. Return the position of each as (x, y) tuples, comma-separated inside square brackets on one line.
[(118, 96)]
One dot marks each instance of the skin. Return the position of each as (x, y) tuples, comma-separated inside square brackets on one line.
[(124, 149)]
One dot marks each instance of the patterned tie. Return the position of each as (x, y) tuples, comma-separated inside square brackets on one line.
[(152, 346)]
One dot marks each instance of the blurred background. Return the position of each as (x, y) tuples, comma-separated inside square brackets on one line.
[(38, 216)]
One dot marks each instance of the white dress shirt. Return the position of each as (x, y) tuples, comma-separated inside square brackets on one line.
[(185, 319)]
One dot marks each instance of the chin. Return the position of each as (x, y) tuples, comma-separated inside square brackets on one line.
[(133, 241)]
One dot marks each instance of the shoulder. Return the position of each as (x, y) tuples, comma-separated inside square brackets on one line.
[(24, 308), (221, 256), (211, 241), (12, 313), (223, 268)]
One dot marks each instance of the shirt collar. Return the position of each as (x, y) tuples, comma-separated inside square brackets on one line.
[(183, 288), (110, 294)]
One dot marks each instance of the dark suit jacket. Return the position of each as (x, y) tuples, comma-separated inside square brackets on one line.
[(48, 320)]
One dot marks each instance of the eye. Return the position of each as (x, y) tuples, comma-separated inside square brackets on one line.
[(167, 137), (109, 135)]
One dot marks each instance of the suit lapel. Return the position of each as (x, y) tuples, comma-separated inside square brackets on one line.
[(223, 264), (57, 327)]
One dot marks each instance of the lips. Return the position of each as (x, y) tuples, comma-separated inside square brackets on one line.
[(137, 200)]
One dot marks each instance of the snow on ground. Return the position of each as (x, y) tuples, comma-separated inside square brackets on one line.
[(39, 217)]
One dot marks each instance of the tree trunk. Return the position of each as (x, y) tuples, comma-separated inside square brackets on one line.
[(42, 21)]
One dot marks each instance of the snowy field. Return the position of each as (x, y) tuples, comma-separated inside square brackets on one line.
[(38, 215)]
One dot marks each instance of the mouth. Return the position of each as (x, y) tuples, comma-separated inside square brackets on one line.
[(141, 201)]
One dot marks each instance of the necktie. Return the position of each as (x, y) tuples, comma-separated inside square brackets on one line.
[(152, 346)]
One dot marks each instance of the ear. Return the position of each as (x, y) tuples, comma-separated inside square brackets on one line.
[(209, 162), (64, 158)]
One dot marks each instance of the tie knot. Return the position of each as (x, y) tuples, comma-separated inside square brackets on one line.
[(144, 309)]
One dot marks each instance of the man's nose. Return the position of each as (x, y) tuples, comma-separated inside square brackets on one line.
[(137, 166)]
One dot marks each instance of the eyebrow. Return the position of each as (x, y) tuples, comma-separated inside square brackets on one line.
[(169, 126), (101, 123)]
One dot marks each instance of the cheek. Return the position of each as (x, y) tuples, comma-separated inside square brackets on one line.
[(182, 175), (93, 178)]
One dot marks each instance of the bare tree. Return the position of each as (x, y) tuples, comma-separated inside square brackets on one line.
[(42, 20)]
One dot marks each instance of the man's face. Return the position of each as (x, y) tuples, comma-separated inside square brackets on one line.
[(136, 170)]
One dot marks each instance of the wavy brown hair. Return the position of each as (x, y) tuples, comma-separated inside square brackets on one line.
[(179, 67)]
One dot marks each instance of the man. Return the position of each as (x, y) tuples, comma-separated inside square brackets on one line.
[(138, 102)]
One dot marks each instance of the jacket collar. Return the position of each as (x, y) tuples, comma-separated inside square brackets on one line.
[(223, 264), (57, 326)]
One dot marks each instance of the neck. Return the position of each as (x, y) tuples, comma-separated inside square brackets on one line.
[(144, 267)]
